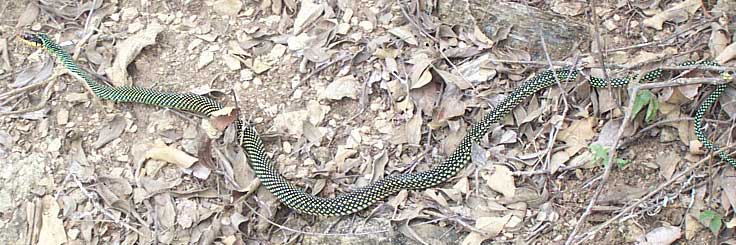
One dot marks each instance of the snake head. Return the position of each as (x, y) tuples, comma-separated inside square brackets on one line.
[(34, 39)]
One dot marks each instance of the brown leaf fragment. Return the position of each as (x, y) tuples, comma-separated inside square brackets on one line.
[(4, 55), (434, 195), (718, 39), (237, 170), (379, 165), (223, 117), (110, 131), (398, 200), (728, 102), (500, 180), (29, 15), (237, 220), (727, 54), (679, 12), (576, 136), (452, 106), (728, 183), (491, 226), (204, 153), (187, 210), (420, 74), (171, 155), (405, 34), (456, 80), (165, 210), (668, 162), (414, 129), (36, 73)]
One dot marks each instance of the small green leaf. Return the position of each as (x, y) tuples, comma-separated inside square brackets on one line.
[(652, 110), (642, 99), (621, 163), (706, 216), (600, 153), (715, 225), (713, 219)]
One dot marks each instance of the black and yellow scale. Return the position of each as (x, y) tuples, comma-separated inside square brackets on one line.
[(348, 203)]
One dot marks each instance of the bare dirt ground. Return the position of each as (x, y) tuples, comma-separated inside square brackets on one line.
[(345, 93)]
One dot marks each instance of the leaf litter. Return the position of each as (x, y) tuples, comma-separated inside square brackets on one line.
[(418, 106)]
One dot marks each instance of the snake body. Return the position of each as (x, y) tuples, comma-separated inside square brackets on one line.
[(301, 201)]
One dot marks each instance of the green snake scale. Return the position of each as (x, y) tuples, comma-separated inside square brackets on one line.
[(359, 199)]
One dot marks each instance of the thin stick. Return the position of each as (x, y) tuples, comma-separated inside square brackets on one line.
[(628, 208), (46, 95), (614, 146), (101, 209)]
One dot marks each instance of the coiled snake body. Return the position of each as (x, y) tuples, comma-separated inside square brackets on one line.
[(361, 198)]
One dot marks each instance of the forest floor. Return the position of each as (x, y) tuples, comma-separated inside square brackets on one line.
[(345, 93)]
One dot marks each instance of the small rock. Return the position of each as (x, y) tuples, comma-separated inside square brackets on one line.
[(75, 97), (227, 7), (135, 27), (129, 13), (231, 62), (342, 28), (246, 75), (259, 65), (342, 87), (367, 26), (62, 117), (205, 59)]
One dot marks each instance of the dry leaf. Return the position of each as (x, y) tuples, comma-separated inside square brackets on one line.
[(110, 131), (728, 183), (492, 226), (290, 123), (38, 72), (500, 180), (718, 39), (405, 34), (692, 226), (414, 129), (668, 162), (171, 155), (224, 117), (346, 86), (308, 13), (165, 210), (727, 54), (558, 159), (379, 165), (128, 49), (452, 106), (29, 15), (420, 75), (454, 79), (680, 12), (576, 136)]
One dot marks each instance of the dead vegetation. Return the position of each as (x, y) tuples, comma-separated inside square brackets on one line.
[(347, 92)]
